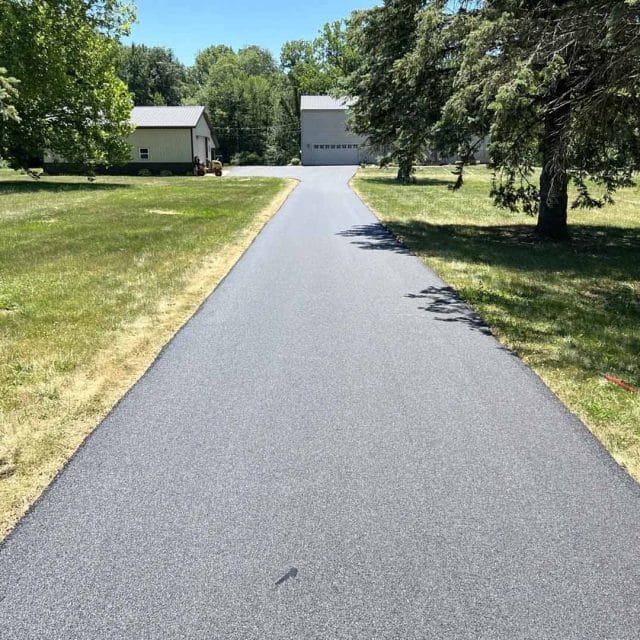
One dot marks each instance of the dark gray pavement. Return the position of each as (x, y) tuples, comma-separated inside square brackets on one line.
[(332, 448)]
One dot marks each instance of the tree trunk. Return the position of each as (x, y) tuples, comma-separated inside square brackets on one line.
[(554, 199), (404, 171), (554, 181)]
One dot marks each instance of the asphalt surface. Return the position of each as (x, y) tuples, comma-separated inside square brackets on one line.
[(333, 448)]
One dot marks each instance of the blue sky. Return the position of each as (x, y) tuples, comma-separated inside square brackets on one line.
[(191, 25)]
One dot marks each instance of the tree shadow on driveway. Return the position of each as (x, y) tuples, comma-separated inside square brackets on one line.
[(445, 302), (374, 237)]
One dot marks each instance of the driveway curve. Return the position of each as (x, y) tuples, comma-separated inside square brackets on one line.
[(333, 447)]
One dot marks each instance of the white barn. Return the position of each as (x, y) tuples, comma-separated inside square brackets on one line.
[(325, 139), (171, 136), (164, 139)]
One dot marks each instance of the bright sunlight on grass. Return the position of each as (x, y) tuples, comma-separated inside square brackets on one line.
[(94, 279), (572, 312)]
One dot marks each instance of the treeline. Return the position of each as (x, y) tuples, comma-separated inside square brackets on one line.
[(253, 98)]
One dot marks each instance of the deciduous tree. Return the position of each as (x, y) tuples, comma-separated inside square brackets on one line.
[(153, 75), (70, 100), (8, 95), (239, 89)]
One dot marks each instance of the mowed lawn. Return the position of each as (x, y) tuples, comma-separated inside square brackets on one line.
[(94, 279), (572, 312)]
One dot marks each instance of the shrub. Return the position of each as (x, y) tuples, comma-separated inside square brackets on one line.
[(144, 173), (165, 173), (247, 158), (275, 156), (295, 162)]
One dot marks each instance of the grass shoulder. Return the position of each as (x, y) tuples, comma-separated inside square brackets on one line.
[(571, 311), (94, 279)]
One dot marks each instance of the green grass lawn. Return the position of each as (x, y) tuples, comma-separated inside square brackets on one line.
[(572, 312), (94, 278)]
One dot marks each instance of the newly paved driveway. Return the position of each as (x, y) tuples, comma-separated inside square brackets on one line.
[(332, 448)]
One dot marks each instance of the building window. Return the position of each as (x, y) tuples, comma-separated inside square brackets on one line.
[(144, 153), (333, 146)]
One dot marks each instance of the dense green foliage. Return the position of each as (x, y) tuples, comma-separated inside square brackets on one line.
[(551, 81), (238, 89), (69, 99), (153, 74), (387, 108), (254, 100), (556, 81), (410, 55), (8, 94)]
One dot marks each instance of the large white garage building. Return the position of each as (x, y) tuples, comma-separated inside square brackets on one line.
[(324, 136)]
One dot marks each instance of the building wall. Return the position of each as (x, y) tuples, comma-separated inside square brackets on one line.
[(201, 133), (326, 141), (165, 145), (169, 150)]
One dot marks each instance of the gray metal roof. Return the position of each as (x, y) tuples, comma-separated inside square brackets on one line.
[(166, 116), (325, 103)]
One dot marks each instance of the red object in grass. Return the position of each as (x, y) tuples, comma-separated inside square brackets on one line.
[(621, 383)]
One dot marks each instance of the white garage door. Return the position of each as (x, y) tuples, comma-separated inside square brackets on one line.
[(322, 153)]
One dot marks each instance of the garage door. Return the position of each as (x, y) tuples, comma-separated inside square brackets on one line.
[(334, 154)]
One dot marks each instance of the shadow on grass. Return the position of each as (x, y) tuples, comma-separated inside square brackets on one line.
[(562, 304), (43, 185), (592, 250), (423, 181)]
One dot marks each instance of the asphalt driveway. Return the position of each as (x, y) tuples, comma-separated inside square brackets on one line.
[(333, 447)]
